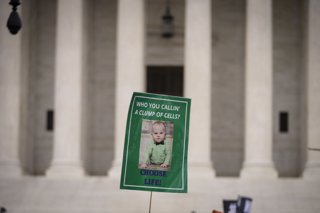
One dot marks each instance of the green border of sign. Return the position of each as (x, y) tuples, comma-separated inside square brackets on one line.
[(176, 179)]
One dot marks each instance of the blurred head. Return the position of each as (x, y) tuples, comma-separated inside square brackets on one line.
[(3, 210), (158, 131)]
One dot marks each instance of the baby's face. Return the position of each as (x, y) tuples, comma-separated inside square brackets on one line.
[(158, 133)]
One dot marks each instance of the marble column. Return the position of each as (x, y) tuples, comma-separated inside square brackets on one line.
[(70, 89), (258, 109), (130, 69), (198, 85), (312, 169), (10, 96)]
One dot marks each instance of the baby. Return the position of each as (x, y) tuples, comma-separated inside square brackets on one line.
[(158, 151)]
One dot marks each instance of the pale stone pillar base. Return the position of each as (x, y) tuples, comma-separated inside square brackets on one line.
[(198, 68), (10, 170), (312, 171), (258, 171), (312, 168), (70, 90), (115, 171), (203, 171), (130, 73), (258, 101), (11, 98), (65, 169)]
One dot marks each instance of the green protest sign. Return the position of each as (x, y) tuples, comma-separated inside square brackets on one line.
[(156, 144)]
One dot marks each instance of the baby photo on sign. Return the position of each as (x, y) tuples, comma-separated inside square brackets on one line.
[(156, 145)]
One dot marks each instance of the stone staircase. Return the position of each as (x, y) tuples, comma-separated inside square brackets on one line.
[(102, 195)]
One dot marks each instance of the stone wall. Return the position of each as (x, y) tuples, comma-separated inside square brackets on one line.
[(101, 79), (41, 83), (228, 71), (227, 138), (288, 73)]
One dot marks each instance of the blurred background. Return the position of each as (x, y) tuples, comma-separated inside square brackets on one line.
[(251, 68)]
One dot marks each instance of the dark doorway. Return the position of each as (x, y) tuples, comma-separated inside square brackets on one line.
[(167, 80)]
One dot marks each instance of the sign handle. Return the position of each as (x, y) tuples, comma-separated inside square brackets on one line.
[(150, 202)]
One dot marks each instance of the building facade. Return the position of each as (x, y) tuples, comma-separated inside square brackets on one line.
[(251, 68)]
